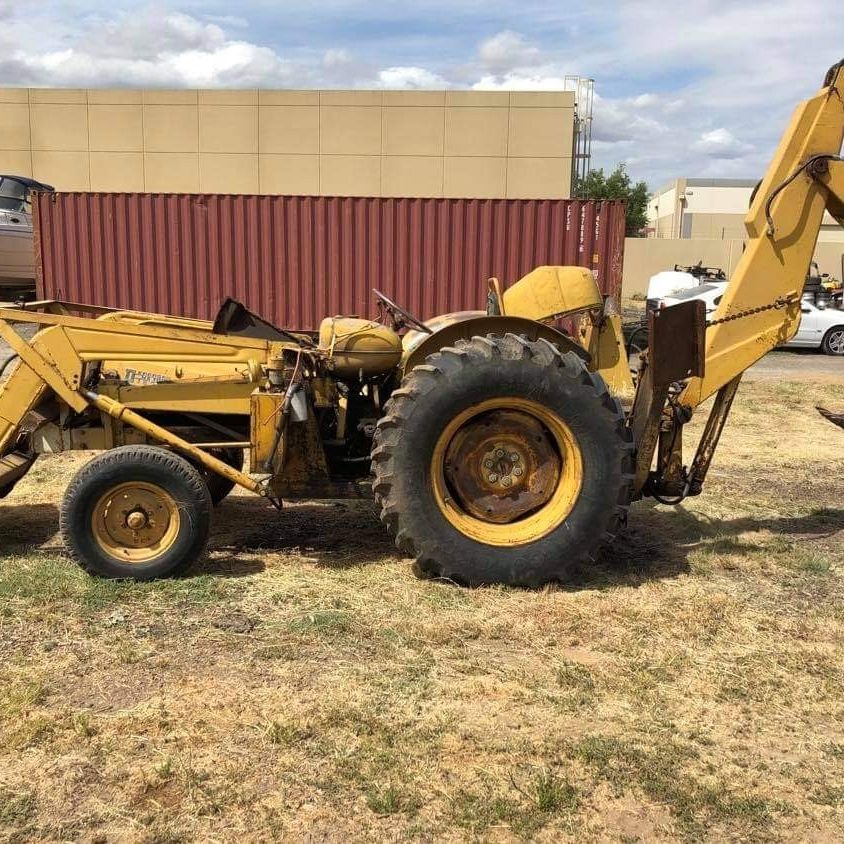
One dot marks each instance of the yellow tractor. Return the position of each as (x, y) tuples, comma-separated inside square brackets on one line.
[(499, 449)]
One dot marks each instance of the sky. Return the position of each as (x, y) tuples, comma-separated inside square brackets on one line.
[(698, 88)]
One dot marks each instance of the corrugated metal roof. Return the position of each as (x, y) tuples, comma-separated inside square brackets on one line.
[(296, 259)]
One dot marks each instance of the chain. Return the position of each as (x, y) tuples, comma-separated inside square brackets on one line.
[(776, 305)]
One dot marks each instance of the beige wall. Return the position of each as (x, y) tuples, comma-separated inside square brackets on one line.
[(716, 226), (371, 143), (702, 199), (644, 257), (710, 212)]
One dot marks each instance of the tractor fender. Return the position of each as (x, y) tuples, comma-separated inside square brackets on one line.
[(450, 328)]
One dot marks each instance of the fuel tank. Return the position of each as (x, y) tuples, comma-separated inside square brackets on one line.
[(359, 347)]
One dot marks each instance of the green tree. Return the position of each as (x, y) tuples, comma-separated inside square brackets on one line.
[(618, 186)]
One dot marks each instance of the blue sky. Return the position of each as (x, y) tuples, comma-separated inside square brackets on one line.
[(698, 88)]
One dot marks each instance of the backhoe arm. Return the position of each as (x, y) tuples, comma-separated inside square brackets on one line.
[(806, 178), (760, 308)]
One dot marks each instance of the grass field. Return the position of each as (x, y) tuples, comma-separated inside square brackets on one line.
[(303, 683)]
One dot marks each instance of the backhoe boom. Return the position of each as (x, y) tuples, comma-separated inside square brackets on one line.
[(759, 310), (805, 179)]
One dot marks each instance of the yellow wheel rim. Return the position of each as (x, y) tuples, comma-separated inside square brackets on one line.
[(506, 472), (135, 522)]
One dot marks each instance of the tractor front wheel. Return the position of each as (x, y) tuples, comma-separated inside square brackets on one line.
[(502, 461), (137, 512)]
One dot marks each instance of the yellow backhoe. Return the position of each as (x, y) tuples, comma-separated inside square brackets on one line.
[(499, 448)]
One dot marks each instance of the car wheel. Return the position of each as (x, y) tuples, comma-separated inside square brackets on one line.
[(833, 341)]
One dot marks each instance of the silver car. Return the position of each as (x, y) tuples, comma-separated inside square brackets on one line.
[(821, 327)]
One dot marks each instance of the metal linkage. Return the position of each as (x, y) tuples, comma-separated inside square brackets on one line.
[(816, 166), (776, 305)]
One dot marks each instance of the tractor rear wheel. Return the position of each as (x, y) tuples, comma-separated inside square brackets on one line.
[(137, 512), (502, 461)]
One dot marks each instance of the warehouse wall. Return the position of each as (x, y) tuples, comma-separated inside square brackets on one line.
[(368, 143), (644, 257), (719, 226), (711, 209)]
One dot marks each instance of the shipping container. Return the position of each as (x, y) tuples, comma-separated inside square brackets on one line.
[(296, 259)]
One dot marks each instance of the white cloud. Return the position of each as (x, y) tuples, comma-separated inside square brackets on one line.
[(148, 35), (229, 20), (627, 119), (721, 143), (410, 77), (520, 82), (507, 50), (336, 58), (147, 50)]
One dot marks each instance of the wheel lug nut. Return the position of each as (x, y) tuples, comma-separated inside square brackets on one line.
[(488, 464), (492, 478), (517, 471), (514, 456), (505, 481), (499, 452)]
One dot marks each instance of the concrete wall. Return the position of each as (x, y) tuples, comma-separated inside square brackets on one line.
[(663, 209), (713, 226), (704, 199), (644, 257), (369, 143)]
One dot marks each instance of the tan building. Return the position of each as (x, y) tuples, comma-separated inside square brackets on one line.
[(702, 220), (711, 209), (369, 143)]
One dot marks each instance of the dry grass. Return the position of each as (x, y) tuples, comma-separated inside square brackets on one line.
[(303, 683)]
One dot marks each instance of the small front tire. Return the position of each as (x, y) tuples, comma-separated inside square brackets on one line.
[(138, 512)]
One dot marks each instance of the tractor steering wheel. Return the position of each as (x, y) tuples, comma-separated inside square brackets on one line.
[(399, 314)]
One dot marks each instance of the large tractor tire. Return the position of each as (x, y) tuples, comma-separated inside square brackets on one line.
[(502, 461), (137, 512)]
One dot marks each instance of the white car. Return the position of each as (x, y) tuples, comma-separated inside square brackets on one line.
[(820, 327)]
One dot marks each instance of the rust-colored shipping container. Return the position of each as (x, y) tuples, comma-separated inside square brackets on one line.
[(296, 259)]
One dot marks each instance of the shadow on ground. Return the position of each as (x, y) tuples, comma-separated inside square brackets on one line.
[(333, 534), (657, 542), (348, 534), (24, 527)]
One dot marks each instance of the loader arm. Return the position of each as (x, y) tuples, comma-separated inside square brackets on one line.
[(759, 310), (55, 359)]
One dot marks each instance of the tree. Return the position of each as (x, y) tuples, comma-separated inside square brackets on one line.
[(618, 186)]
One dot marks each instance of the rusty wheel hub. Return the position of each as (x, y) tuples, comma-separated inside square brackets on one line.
[(135, 521), (502, 465)]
